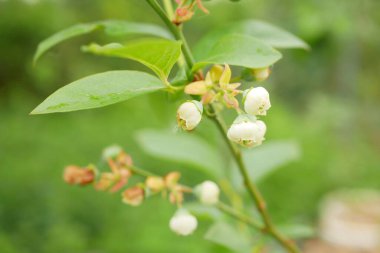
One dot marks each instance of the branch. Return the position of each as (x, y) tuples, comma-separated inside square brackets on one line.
[(251, 188), (175, 30), (220, 205)]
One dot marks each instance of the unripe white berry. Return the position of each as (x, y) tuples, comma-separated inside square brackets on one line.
[(189, 114), (208, 192), (256, 101), (183, 223), (247, 131)]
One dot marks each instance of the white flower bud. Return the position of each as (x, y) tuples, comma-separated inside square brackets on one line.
[(111, 152), (256, 101), (183, 223), (247, 131), (261, 74), (189, 114), (208, 192)]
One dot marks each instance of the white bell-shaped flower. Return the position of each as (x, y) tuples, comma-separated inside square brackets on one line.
[(256, 101), (208, 192), (183, 223), (189, 114), (247, 131)]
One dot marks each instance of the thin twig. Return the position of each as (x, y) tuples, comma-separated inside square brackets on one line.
[(253, 190), (220, 205), (239, 216), (175, 30)]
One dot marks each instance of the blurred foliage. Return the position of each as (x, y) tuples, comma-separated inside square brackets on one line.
[(327, 99)]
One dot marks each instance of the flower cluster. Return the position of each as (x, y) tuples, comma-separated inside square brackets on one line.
[(185, 10), (218, 89), (121, 169)]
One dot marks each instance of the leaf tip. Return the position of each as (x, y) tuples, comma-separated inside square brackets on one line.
[(35, 59), (35, 112)]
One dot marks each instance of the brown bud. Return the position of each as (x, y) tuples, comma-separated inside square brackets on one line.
[(133, 196), (231, 101), (76, 175), (124, 160), (155, 184), (183, 14), (208, 98), (172, 179), (121, 179), (176, 197), (105, 182)]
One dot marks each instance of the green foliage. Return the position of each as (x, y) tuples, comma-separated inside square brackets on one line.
[(239, 50), (330, 148), (269, 157), (226, 235), (157, 54), (99, 90), (183, 149), (110, 27), (267, 33), (298, 231), (203, 211)]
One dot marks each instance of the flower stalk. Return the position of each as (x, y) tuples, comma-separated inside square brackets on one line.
[(252, 189), (223, 207)]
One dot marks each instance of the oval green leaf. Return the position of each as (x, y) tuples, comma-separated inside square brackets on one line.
[(264, 160), (267, 33), (157, 54), (182, 148), (224, 234), (99, 90), (110, 27), (240, 50)]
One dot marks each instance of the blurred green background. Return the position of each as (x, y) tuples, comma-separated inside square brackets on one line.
[(326, 99)]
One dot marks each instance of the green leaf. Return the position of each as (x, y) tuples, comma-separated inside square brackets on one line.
[(99, 90), (297, 231), (203, 211), (240, 50), (267, 33), (227, 236), (157, 54), (110, 27), (182, 148), (265, 159)]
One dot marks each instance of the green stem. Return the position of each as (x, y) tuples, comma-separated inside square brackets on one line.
[(251, 188), (170, 11), (239, 216), (169, 8), (141, 172), (175, 30), (220, 205)]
